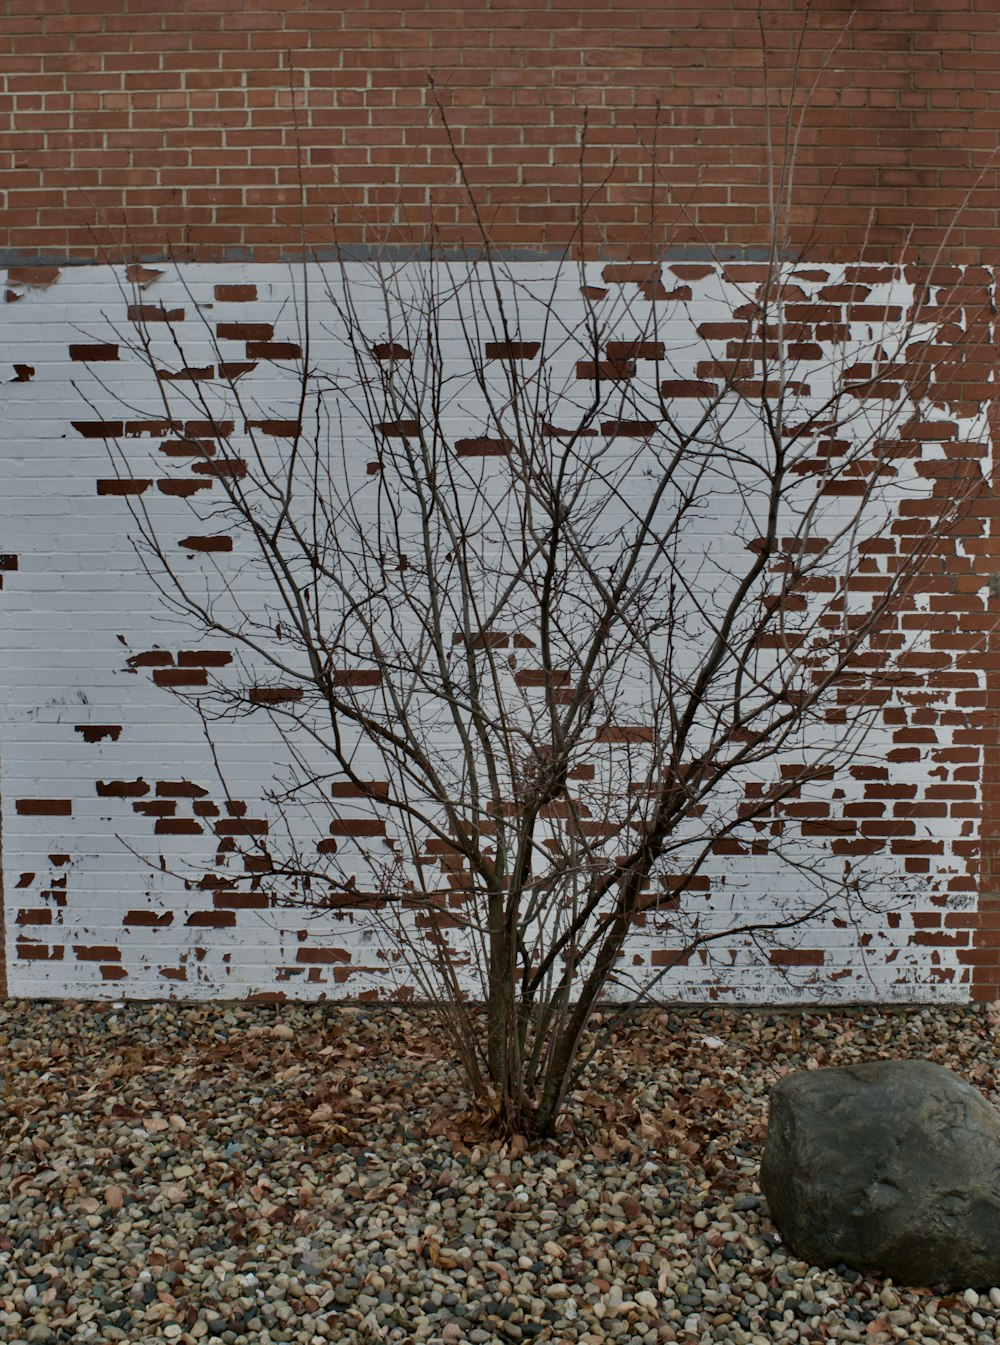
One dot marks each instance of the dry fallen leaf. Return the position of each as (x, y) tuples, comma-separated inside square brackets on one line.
[(324, 1112), (114, 1197), (155, 1124), (175, 1191)]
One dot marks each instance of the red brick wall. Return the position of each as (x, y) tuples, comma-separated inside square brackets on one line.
[(190, 125), (234, 129)]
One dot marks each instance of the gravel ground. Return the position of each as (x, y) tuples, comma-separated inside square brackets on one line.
[(264, 1173)]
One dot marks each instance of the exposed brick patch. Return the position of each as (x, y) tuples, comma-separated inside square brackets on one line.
[(688, 387), (630, 429), (99, 429), (357, 677), (608, 371), (203, 374), (120, 485), (282, 429), (624, 733), (94, 353), (34, 277), (635, 350), (148, 919), (122, 789), (244, 331), (399, 429), (146, 313), (274, 695), (178, 826), (39, 952), (211, 919), (512, 350), (206, 543), (236, 294), (797, 957), (180, 677), (483, 447), (273, 350), (94, 733), (204, 658), (141, 276)]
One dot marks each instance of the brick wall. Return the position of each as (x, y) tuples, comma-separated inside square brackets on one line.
[(228, 128), (130, 849), (228, 134)]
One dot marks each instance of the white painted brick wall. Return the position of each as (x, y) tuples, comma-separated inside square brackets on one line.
[(78, 605)]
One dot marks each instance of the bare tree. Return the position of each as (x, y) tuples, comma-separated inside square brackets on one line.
[(568, 593), (572, 591)]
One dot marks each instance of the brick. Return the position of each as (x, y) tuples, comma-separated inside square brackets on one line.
[(681, 387), (274, 695), (211, 919), (797, 957), (609, 371), (214, 544), (146, 313), (241, 826), (273, 350), (122, 789), (94, 733), (121, 485), (94, 353), (180, 677), (512, 350), (235, 294), (483, 447), (245, 331)]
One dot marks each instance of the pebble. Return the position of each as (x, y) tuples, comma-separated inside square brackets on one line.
[(305, 1173)]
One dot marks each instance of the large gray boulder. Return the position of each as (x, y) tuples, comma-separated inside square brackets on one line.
[(891, 1166)]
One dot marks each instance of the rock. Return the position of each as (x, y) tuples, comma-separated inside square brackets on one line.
[(891, 1166)]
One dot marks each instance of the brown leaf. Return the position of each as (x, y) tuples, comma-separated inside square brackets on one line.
[(114, 1197)]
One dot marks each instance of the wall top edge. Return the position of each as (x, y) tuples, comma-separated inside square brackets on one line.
[(17, 257)]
